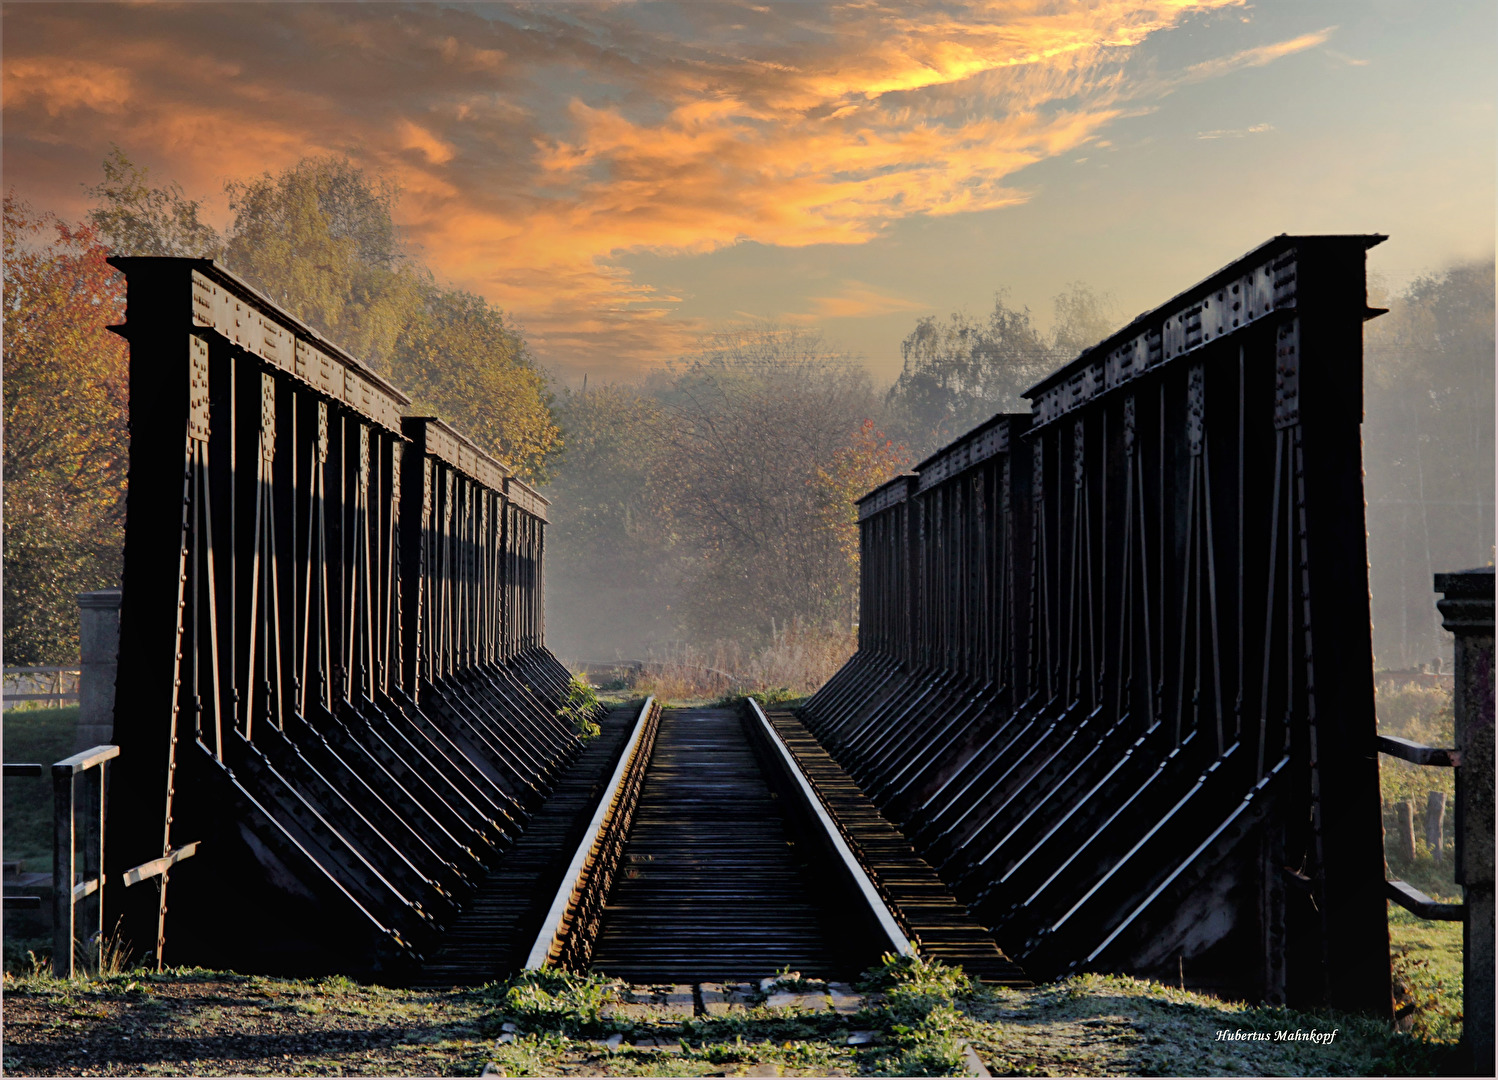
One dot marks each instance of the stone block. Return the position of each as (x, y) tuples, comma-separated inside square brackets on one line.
[(720, 999)]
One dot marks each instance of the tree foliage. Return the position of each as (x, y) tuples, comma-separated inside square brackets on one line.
[(715, 501), (1083, 317), (958, 372), (754, 420), (66, 430), (135, 219), (867, 460), (459, 357), (320, 240), (1428, 452)]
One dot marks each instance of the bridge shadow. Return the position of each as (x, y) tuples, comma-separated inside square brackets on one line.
[(218, 1027)]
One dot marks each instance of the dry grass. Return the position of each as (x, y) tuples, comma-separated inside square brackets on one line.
[(796, 661)]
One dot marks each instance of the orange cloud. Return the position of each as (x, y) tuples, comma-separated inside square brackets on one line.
[(58, 84), (537, 146), (413, 137), (857, 299)]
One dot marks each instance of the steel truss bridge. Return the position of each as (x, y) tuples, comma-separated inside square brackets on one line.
[(1112, 707)]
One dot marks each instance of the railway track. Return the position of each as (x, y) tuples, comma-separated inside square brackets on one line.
[(697, 845), (714, 883)]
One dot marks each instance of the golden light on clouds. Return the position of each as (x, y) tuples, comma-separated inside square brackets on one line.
[(537, 145), (1258, 56)]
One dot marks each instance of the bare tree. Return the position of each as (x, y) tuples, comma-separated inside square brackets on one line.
[(959, 371), (755, 421)]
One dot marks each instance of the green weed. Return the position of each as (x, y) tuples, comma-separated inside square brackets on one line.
[(582, 708), (553, 1000)]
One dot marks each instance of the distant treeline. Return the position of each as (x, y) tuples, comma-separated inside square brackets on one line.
[(713, 499)]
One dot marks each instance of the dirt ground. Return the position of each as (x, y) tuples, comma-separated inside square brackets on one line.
[(196, 1023)]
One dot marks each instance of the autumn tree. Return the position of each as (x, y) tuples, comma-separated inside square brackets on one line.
[(320, 240), (66, 430), (133, 218), (1082, 318), (868, 459), (957, 372), (458, 356)]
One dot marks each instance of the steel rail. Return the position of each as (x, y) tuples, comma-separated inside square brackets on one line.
[(812, 803), (554, 925)]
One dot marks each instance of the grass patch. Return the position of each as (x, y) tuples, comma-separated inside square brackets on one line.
[(782, 697), (795, 661), (924, 1013), (1426, 957), (38, 736), (1114, 1025), (1424, 715), (1426, 965), (210, 1023)]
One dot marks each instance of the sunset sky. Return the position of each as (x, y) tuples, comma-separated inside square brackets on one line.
[(625, 176)]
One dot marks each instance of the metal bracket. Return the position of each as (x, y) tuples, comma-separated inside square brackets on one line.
[(363, 460), (1287, 375), (1196, 407), (267, 416)]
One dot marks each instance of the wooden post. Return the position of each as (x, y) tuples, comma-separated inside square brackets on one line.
[(64, 872), (1404, 819), (1435, 814)]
